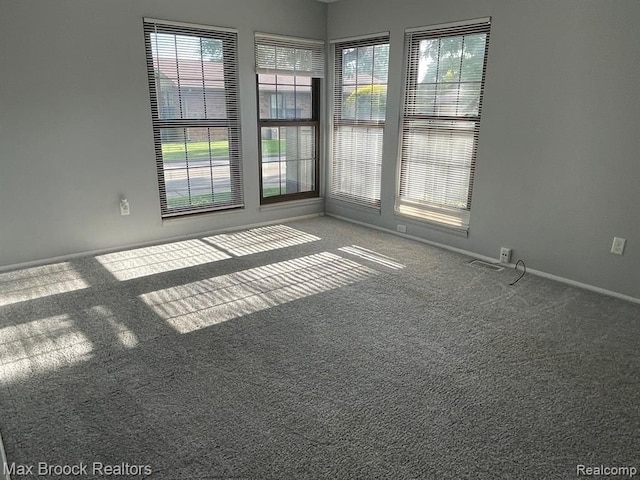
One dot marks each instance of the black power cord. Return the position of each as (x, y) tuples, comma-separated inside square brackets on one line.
[(523, 273)]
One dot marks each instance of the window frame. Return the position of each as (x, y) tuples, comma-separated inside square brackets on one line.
[(440, 215), (338, 121), (314, 121), (280, 55), (232, 122)]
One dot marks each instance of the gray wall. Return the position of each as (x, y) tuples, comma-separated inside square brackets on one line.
[(559, 152), (75, 122), (558, 158)]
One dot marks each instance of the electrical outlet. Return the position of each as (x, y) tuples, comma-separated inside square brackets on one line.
[(402, 228), (618, 245), (505, 255), (124, 206)]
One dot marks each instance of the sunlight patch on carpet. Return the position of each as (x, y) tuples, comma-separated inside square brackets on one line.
[(261, 239), (215, 300), (40, 346), (37, 282), (141, 262)]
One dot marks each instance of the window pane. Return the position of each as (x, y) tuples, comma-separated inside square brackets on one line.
[(365, 64), (449, 76), (438, 158), (303, 80), (364, 82), (473, 59), (469, 99), (349, 62), (365, 102), (425, 99), (381, 63), (189, 76), (288, 160), (285, 79), (357, 162), (428, 66), (267, 101), (196, 166), (449, 59), (214, 101), (285, 97), (446, 99), (303, 102)]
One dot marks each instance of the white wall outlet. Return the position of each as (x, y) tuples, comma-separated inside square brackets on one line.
[(505, 255), (402, 228), (124, 206), (618, 245)]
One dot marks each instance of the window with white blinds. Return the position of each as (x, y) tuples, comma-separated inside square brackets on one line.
[(288, 75), (441, 121), (193, 83), (359, 111)]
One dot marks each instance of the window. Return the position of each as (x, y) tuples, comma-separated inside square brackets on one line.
[(193, 83), (288, 75), (441, 121), (360, 101)]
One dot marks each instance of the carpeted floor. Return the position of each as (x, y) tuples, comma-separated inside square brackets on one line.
[(316, 349)]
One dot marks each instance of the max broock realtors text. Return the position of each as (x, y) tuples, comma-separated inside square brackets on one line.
[(76, 469)]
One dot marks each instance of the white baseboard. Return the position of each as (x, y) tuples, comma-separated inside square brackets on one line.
[(65, 258), (538, 273), (584, 286)]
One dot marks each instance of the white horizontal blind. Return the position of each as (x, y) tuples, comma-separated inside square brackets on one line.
[(359, 112), (193, 83), (280, 55), (441, 121)]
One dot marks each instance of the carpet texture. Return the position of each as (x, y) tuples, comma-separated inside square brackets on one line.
[(316, 349)]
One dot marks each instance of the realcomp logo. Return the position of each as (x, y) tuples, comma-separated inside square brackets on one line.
[(605, 470)]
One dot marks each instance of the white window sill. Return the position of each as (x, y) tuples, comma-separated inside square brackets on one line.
[(444, 223)]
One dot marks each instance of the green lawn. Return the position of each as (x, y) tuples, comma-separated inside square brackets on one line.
[(175, 151), (207, 199), (197, 200), (271, 191), (270, 147)]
